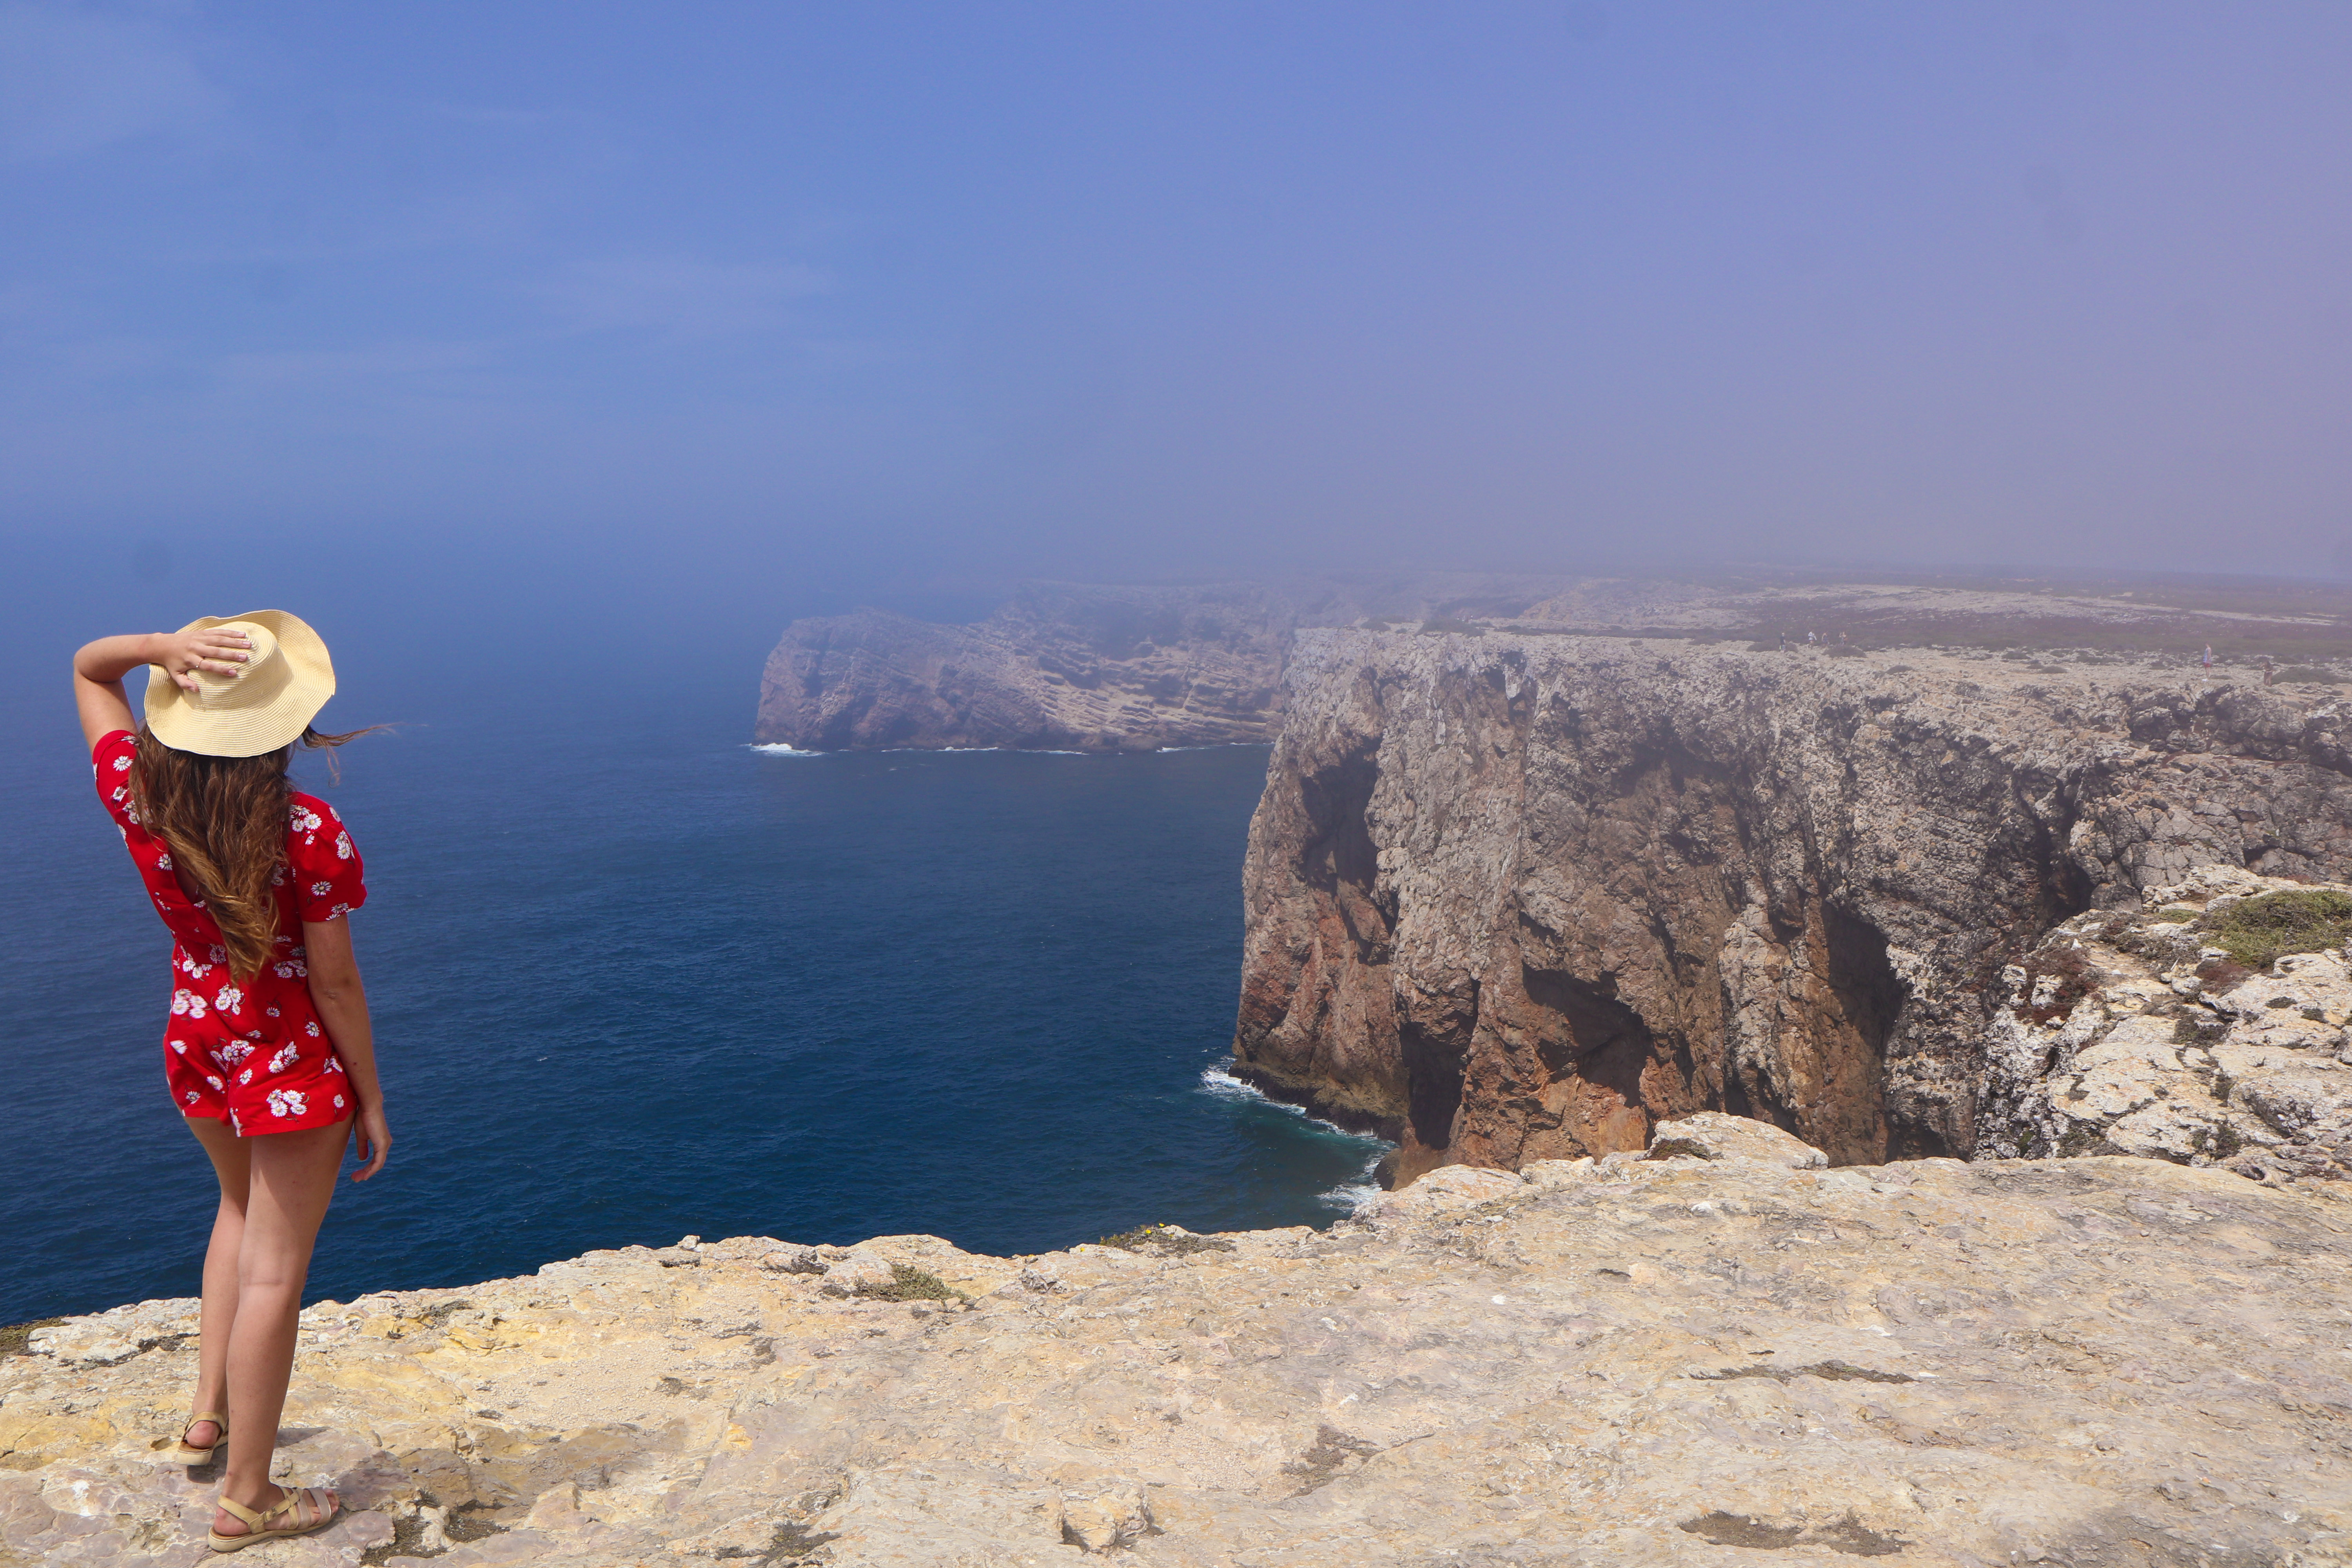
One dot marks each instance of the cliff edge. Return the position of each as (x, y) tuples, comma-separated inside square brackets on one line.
[(1517, 896), (1684, 1359)]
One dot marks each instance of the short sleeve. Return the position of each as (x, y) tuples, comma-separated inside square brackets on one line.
[(328, 875), (110, 762)]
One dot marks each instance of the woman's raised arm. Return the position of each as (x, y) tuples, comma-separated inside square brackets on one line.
[(99, 668)]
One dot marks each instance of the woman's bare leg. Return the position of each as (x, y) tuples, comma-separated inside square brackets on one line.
[(220, 1317), (292, 1176)]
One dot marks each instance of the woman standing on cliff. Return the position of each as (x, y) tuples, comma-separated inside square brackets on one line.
[(268, 1049)]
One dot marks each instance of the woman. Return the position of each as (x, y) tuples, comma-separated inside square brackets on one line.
[(268, 1050)]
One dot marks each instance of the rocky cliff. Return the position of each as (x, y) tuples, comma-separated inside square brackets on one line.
[(1085, 666), (1717, 1355), (1083, 669), (1516, 896), (1094, 667)]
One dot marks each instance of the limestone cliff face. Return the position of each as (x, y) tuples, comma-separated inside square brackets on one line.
[(1517, 896), (1080, 668), (1088, 666)]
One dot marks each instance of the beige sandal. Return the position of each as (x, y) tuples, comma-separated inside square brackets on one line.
[(188, 1453), (305, 1505)]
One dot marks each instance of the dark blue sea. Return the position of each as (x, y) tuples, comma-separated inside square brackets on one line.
[(635, 979)]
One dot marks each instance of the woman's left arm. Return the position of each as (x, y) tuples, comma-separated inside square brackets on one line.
[(341, 1000), (99, 668)]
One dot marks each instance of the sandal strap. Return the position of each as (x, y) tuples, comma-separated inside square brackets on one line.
[(304, 1508)]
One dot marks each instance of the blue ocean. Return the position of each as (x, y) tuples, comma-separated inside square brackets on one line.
[(634, 978)]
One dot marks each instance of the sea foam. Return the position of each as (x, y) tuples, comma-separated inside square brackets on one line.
[(1347, 1196)]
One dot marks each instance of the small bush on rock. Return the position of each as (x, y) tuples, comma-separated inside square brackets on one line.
[(2258, 931), (908, 1283), (1166, 1240)]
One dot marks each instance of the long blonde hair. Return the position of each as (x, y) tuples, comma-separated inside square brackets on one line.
[(225, 819)]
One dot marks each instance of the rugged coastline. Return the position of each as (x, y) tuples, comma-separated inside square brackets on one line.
[(1719, 1349), (1516, 896), (1109, 666)]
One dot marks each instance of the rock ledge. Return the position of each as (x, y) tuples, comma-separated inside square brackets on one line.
[(1672, 1359)]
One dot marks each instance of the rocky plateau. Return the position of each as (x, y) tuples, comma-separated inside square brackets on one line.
[(1109, 667), (1720, 1353)]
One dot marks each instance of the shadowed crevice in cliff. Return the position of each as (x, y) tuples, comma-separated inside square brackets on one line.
[(1340, 859), (1604, 1065), (1434, 1040)]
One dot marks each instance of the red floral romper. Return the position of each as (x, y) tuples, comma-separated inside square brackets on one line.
[(255, 1053)]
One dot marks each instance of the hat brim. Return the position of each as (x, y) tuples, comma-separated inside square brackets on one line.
[(252, 729)]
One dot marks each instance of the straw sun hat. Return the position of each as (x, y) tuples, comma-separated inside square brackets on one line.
[(287, 679)]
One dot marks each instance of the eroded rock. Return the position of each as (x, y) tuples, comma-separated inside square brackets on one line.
[(1519, 898), (2126, 1031)]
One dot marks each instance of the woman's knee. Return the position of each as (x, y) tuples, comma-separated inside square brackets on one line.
[(266, 1269)]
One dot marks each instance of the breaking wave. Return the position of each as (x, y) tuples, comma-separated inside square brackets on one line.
[(1347, 1196)]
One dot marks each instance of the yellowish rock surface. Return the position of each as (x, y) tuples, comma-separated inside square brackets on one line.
[(1665, 1361)]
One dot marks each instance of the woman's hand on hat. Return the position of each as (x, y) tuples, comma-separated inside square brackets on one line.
[(218, 650)]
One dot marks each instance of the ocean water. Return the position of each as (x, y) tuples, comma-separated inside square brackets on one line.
[(635, 979)]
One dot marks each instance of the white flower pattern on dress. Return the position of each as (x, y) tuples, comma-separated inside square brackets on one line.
[(213, 1070)]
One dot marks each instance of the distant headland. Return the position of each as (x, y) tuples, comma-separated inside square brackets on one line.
[(1110, 667)]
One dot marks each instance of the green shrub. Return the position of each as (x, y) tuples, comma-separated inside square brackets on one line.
[(1166, 1241), (2258, 931), (2176, 917), (15, 1336), (908, 1283)]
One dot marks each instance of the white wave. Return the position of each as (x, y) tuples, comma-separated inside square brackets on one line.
[(1216, 1082), (1349, 1197), (779, 750)]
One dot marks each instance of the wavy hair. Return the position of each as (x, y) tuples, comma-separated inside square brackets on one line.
[(225, 819)]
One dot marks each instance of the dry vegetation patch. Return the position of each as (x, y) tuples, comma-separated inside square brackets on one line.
[(2258, 931)]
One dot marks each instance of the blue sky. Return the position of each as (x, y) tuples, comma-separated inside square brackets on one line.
[(763, 299)]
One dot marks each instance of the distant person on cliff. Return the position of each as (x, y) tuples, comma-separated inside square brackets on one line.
[(268, 1051)]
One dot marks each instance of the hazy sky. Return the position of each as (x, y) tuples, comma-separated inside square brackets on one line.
[(761, 296)]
